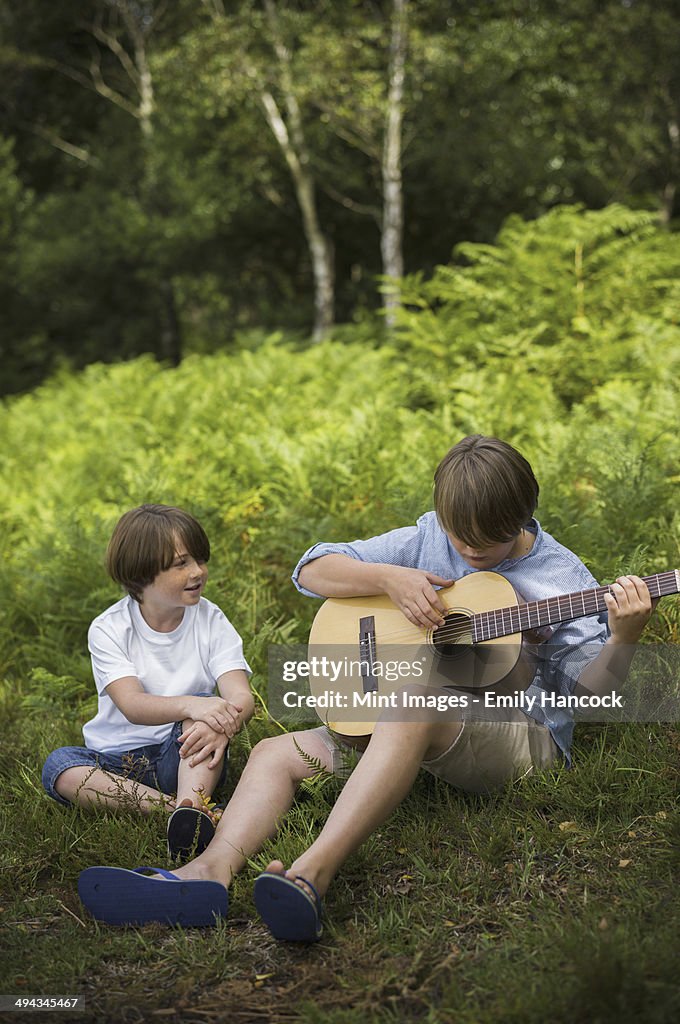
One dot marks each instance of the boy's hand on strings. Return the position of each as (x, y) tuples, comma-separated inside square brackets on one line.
[(629, 606), (412, 590), (200, 741)]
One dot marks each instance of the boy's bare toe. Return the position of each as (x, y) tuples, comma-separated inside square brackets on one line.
[(275, 867)]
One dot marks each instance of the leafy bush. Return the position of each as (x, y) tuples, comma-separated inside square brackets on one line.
[(275, 447), (568, 301)]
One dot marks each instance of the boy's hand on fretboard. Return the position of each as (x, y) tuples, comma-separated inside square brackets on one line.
[(629, 606)]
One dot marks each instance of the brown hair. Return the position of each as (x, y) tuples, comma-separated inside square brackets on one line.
[(144, 543), (484, 491)]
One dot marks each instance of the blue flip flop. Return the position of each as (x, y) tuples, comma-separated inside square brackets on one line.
[(287, 909), (189, 832), (119, 896)]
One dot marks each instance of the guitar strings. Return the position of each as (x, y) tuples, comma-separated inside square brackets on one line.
[(455, 632), (452, 633)]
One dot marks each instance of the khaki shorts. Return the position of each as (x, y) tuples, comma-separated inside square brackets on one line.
[(484, 756)]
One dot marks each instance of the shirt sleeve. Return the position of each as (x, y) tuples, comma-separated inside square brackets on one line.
[(110, 661), (397, 547), (226, 646)]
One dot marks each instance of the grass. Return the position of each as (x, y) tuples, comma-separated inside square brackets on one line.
[(551, 901)]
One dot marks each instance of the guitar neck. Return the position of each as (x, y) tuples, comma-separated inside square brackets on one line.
[(536, 614)]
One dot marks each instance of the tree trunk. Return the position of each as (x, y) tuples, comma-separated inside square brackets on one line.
[(294, 146), (320, 250), (391, 241)]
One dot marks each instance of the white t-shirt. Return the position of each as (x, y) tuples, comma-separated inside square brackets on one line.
[(187, 661)]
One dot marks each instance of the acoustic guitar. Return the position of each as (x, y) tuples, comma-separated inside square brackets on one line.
[(478, 647)]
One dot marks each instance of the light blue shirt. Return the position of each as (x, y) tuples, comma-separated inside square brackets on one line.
[(547, 570)]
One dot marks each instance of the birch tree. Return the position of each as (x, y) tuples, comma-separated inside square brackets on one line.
[(391, 241), (323, 78), (277, 95), (290, 136), (357, 81)]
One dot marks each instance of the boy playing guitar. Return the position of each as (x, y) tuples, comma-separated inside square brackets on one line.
[(485, 496)]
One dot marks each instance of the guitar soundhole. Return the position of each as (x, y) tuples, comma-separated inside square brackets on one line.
[(454, 637)]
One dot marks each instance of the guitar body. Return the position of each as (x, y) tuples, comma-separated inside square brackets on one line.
[(447, 655)]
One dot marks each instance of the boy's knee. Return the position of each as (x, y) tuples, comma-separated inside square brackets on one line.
[(272, 747), (61, 786), (68, 782), (279, 753)]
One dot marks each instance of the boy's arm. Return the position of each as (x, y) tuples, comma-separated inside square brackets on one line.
[(629, 606), (235, 689), (142, 708), (411, 590), (199, 743)]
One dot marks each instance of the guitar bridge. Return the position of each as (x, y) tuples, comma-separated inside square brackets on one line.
[(367, 653)]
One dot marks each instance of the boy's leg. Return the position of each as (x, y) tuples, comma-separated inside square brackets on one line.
[(381, 780), (108, 780), (74, 775), (91, 787), (266, 789), (193, 779), (262, 797)]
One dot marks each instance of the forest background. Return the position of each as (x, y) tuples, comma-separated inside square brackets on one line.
[(267, 261)]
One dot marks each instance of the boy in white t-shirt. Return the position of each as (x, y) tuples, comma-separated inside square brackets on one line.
[(157, 656)]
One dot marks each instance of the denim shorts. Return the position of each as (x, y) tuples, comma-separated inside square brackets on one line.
[(155, 765)]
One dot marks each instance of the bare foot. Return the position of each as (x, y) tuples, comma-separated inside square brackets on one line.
[(194, 869)]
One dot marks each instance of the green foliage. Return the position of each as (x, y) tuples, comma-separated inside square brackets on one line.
[(576, 296), (275, 447), (447, 910)]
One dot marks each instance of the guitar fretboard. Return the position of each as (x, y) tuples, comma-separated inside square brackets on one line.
[(535, 614)]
